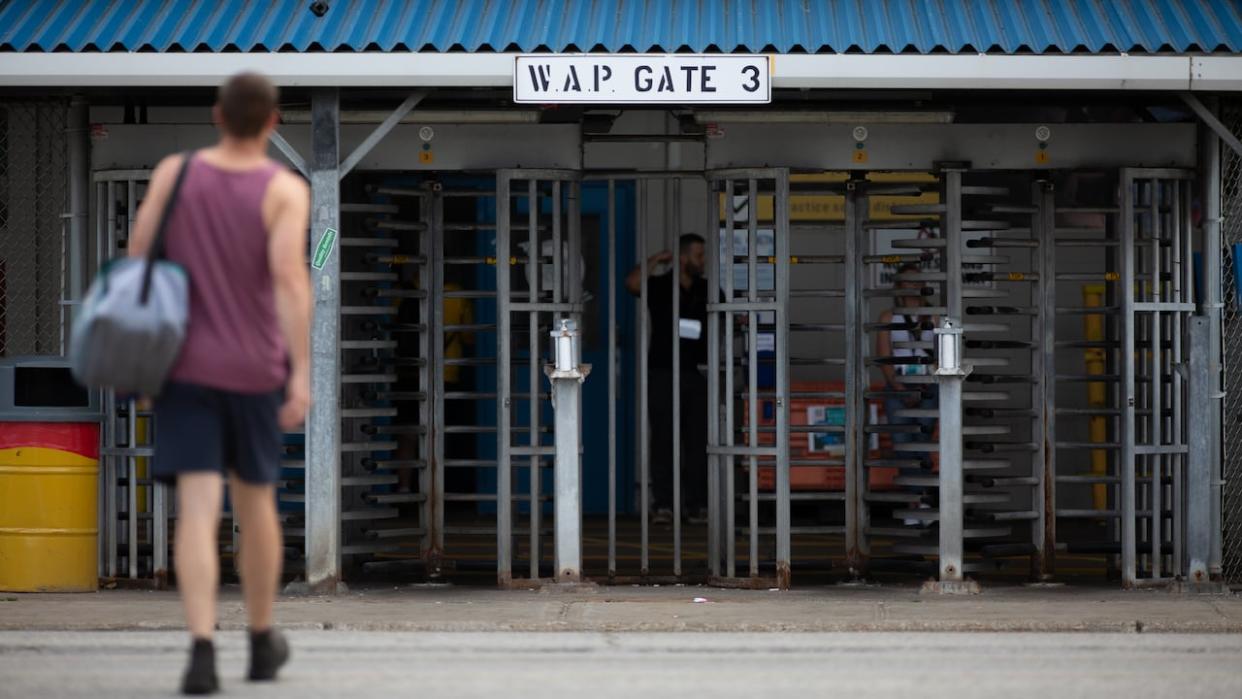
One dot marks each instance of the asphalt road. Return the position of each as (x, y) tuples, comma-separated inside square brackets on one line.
[(600, 666)]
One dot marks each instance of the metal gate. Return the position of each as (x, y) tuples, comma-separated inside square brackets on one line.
[(754, 292), (389, 491), (134, 510), (961, 481), (527, 309), (1156, 276)]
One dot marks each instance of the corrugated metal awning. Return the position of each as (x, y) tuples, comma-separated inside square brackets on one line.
[(1038, 27)]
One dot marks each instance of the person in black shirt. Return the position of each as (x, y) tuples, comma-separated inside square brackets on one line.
[(693, 354)]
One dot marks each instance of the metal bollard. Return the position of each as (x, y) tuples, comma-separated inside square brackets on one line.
[(950, 374), (567, 374)]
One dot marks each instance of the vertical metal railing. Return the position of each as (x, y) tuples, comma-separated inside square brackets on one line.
[(951, 510), (544, 302), (134, 509), (610, 260), (1044, 466), (1156, 276), (763, 310), (857, 381)]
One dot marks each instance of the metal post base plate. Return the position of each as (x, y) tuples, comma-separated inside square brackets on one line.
[(327, 587), (950, 587), (1211, 587), (553, 588)]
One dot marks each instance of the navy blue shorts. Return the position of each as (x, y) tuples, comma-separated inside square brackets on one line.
[(203, 429)]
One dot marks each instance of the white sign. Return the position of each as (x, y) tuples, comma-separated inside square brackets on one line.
[(642, 79)]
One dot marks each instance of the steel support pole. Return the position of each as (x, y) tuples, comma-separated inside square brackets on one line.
[(131, 489), (567, 375), (730, 468), (385, 127), (504, 390), (1183, 284), (534, 270), (1129, 568), (717, 526), (131, 423), (675, 339), (610, 259), (323, 434), (951, 486), (1044, 534), (951, 511), (855, 382), (159, 536), (1199, 484), (1213, 290), (752, 371), (644, 426), (287, 149), (784, 554), (1218, 130), (1155, 462), (435, 437), (568, 480)]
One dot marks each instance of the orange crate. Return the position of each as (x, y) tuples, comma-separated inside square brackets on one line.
[(804, 445)]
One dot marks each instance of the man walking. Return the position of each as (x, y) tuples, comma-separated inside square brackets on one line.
[(692, 331), (239, 226)]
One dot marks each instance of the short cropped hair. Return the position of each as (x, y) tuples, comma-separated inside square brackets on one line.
[(246, 102), (689, 239)]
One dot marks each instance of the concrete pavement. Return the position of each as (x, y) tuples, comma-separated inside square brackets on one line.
[(609, 609), (604, 666)]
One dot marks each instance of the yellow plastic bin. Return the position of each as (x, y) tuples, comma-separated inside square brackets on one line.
[(49, 482)]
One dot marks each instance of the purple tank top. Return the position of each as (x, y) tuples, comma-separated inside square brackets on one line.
[(216, 232)]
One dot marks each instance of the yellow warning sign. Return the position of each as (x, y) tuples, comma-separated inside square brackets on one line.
[(1041, 157), (425, 157), (860, 156), (831, 207)]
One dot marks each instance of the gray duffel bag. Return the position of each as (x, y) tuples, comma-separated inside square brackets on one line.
[(133, 320)]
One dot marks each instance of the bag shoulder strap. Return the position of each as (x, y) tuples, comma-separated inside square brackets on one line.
[(156, 250)]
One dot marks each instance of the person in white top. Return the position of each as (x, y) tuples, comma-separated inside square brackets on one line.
[(905, 348)]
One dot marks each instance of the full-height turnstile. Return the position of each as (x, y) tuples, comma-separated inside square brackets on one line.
[(389, 490), (966, 447)]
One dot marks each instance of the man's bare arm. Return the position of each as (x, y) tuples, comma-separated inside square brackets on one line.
[(152, 208), (287, 233)]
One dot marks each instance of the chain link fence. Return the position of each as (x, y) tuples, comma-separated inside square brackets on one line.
[(1231, 235), (33, 201)]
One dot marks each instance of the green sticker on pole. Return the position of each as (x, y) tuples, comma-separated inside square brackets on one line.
[(323, 250)]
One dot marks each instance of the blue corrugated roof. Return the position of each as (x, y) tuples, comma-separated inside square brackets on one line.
[(784, 26)]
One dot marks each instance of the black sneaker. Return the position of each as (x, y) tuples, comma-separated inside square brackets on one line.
[(268, 652), (662, 516), (200, 677)]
